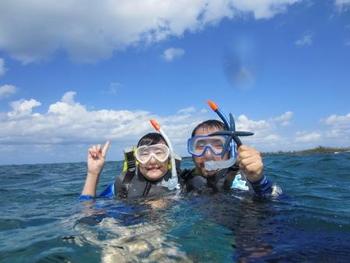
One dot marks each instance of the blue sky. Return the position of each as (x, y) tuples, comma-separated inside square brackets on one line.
[(74, 74)]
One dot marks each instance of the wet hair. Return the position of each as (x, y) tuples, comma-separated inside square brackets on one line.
[(151, 138), (209, 124)]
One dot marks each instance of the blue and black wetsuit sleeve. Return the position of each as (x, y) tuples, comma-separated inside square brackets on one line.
[(109, 192), (263, 187), (86, 197), (113, 189)]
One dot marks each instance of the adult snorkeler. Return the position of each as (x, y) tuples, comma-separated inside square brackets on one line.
[(222, 162), (149, 170)]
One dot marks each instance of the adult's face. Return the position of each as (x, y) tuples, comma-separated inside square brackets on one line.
[(208, 155), (154, 169)]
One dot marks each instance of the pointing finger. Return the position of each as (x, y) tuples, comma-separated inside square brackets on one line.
[(105, 148)]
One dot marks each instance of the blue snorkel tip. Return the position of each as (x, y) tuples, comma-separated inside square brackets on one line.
[(230, 128)]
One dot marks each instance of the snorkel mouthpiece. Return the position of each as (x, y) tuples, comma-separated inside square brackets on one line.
[(219, 165), (172, 183), (232, 133)]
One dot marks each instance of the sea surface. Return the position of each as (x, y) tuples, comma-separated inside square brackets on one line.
[(41, 219)]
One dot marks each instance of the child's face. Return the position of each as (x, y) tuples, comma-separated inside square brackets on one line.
[(154, 170)]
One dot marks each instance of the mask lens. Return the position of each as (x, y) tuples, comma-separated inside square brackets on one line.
[(159, 151), (199, 144)]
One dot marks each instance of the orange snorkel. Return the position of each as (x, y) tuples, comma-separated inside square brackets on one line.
[(216, 109)]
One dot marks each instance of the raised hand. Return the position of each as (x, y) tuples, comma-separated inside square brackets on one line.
[(96, 158), (250, 163), (95, 162)]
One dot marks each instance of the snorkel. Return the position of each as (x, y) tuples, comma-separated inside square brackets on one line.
[(172, 183), (228, 147)]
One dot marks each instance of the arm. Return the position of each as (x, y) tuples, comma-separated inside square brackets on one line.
[(95, 163)]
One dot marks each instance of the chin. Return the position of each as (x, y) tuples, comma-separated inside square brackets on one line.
[(154, 176), (208, 173)]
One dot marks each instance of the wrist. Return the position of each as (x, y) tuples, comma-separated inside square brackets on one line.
[(93, 174), (256, 179), (262, 186), (90, 185)]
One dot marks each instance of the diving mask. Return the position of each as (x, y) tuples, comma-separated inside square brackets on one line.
[(198, 145), (159, 151), (229, 142)]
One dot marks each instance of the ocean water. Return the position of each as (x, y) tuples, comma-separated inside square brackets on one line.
[(42, 220)]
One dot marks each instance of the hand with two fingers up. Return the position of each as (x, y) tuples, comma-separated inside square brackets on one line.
[(95, 162)]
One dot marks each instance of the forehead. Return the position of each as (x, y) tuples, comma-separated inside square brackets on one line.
[(206, 130), (152, 143)]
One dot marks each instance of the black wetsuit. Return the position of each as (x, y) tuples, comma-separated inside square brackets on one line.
[(134, 185), (138, 186), (224, 180)]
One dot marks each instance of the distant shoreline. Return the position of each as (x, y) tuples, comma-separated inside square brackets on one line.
[(319, 149)]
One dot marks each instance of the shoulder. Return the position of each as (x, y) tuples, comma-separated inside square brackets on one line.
[(186, 173), (119, 179), (190, 180)]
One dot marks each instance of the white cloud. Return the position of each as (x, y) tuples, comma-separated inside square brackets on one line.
[(70, 126), (338, 120), (7, 90), (342, 3), (187, 110), (285, 118), (172, 53), (266, 135), (22, 108), (67, 122), (243, 123), (89, 31), (68, 97), (2, 67), (336, 133), (306, 137), (339, 126), (306, 40)]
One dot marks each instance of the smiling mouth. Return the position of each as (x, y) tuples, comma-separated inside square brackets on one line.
[(152, 168)]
